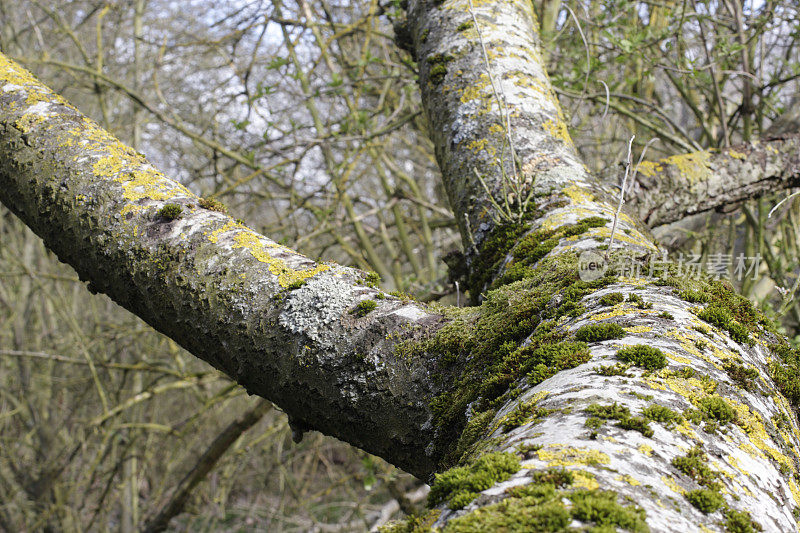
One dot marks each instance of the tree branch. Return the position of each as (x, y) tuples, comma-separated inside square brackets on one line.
[(682, 185), (316, 338)]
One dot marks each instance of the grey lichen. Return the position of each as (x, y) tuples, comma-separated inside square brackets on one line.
[(313, 308)]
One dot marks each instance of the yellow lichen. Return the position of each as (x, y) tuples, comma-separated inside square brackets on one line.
[(557, 129), (672, 484), (649, 168), (258, 248), (578, 195), (737, 155), (584, 480), (567, 455), (645, 449), (693, 167), (630, 480)]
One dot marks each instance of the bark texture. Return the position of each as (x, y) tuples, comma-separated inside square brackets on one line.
[(299, 333), (546, 423), (514, 391), (673, 188)]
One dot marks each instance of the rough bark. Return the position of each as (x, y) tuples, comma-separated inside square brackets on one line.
[(461, 390), (676, 187), (286, 328), (545, 423)]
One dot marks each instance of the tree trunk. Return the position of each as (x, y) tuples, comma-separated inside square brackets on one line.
[(615, 400)]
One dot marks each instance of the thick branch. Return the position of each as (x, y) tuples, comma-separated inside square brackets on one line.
[(285, 327), (682, 185)]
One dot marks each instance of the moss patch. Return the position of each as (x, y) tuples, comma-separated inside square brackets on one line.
[(619, 413), (612, 298), (745, 377), (523, 413), (170, 211), (542, 508), (478, 356), (740, 522), (364, 308), (460, 485), (705, 500), (785, 371), (600, 332), (643, 356), (662, 415), (526, 250), (212, 205)]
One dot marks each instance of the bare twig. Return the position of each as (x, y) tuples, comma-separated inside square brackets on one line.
[(628, 161)]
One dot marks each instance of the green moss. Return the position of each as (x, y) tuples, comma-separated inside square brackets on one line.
[(695, 296), (661, 414), (722, 318), (785, 371), (612, 298), (364, 308), (522, 414), (609, 412), (695, 465), (594, 422), (437, 73), (705, 500), (528, 513), (412, 524), (170, 211), (715, 408), (617, 369), (643, 356), (619, 413), (541, 508), (636, 423), (464, 26), (545, 360), (296, 284), (726, 309), (600, 332), (639, 302), (212, 205), (740, 522), (475, 429), (439, 59), (478, 355), (460, 485), (745, 377), (601, 507), (372, 278), (558, 477), (527, 250), (665, 315)]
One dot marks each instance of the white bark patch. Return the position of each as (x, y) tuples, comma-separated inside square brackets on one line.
[(410, 312), (39, 108), (314, 308)]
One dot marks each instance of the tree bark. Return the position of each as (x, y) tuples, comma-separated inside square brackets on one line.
[(509, 390), (679, 186)]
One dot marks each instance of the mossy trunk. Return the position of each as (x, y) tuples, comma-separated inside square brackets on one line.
[(637, 396), (638, 399)]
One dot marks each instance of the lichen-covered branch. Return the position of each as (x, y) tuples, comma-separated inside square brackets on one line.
[(649, 400), (316, 338), (682, 185)]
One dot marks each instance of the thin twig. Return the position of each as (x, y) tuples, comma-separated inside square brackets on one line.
[(628, 161), (781, 203)]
